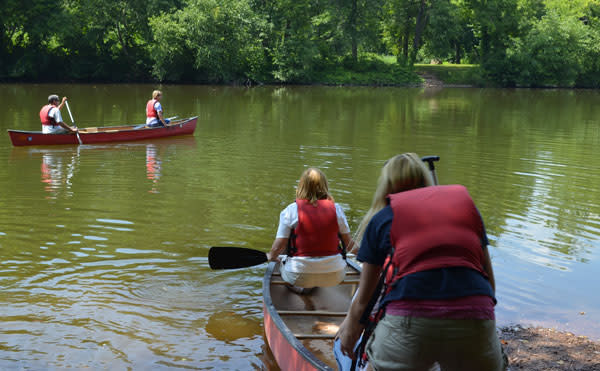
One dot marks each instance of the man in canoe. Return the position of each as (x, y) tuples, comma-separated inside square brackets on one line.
[(311, 229), (428, 247), (154, 111), (52, 122)]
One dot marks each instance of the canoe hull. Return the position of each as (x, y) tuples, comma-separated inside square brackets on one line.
[(103, 135), (317, 311)]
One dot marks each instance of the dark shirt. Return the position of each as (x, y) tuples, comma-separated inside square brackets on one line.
[(442, 283)]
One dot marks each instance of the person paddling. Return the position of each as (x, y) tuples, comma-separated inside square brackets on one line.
[(154, 111), (52, 122)]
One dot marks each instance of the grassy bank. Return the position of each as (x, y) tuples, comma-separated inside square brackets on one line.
[(370, 70), (453, 74)]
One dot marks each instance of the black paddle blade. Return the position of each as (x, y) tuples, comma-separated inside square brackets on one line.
[(230, 257)]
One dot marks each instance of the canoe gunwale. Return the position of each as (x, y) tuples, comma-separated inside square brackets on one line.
[(107, 134), (288, 335)]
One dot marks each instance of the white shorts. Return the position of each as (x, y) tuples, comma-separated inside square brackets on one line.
[(313, 272), (53, 129)]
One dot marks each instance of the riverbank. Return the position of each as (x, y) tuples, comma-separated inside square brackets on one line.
[(450, 75), (536, 348)]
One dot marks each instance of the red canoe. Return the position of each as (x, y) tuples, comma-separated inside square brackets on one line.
[(300, 328), (104, 134)]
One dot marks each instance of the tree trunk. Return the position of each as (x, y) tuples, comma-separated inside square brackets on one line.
[(419, 27), (457, 53), (353, 30)]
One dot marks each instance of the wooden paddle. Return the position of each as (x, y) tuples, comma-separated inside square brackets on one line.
[(231, 257), (73, 121)]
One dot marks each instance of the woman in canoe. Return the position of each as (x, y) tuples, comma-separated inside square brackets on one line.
[(438, 299), (311, 229)]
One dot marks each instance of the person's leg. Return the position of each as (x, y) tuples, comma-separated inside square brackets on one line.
[(318, 279), (397, 344), (471, 345), (56, 129)]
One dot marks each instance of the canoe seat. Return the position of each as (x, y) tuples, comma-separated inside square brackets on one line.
[(345, 282), (315, 313), (314, 336)]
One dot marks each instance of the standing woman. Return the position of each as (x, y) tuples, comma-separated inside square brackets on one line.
[(438, 297), (311, 229)]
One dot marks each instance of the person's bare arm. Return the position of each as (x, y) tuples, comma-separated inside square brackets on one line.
[(277, 249), (160, 118), (487, 267), (69, 128), (351, 328), (347, 241), (62, 103)]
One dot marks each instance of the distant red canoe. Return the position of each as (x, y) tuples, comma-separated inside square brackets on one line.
[(104, 134), (300, 328)]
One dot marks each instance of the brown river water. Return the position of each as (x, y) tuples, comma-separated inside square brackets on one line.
[(103, 247)]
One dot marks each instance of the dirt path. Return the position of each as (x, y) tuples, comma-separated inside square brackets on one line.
[(547, 349), (430, 80)]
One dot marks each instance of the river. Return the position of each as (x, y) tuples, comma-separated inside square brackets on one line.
[(103, 247)]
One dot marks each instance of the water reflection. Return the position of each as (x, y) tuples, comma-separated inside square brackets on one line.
[(229, 326), (57, 170), (104, 265), (153, 167)]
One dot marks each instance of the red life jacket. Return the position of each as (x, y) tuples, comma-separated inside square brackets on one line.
[(434, 227), (150, 110), (317, 231), (44, 117)]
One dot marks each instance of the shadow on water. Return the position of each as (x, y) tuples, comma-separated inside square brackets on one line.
[(229, 326)]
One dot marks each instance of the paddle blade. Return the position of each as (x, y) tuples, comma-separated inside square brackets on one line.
[(230, 257)]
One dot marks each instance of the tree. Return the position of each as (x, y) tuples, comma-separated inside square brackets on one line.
[(208, 41), (449, 35)]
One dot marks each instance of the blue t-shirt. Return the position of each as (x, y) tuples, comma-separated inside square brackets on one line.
[(434, 284)]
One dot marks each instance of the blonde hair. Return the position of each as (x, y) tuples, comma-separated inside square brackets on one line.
[(400, 173), (313, 186), (156, 93)]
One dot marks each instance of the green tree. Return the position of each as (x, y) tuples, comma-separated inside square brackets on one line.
[(208, 41), (495, 23), (553, 52), (449, 35)]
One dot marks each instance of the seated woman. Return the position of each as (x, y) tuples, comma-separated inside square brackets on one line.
[(430, 247), (311, 229)]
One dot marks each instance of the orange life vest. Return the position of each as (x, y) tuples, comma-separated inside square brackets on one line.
[(150, 110), (434, 227), (44, 117), (317, 231)]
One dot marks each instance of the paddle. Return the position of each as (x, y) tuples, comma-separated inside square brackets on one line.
[(231, 257), (430, 160), (73, 121)]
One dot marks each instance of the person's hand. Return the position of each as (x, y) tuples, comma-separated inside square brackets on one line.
[(272, 258), (64, 100), (349, 333)]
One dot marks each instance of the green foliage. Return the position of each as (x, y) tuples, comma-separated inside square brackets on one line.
[(458, 74), (553, 53), (208, 41), (368, 69), (516, 42), (449, 35)]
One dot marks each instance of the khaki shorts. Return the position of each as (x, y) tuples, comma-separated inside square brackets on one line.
[(416, 343), (309, 280)]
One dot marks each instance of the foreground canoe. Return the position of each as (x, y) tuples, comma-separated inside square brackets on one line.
[(300, 329), (104, 134)]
